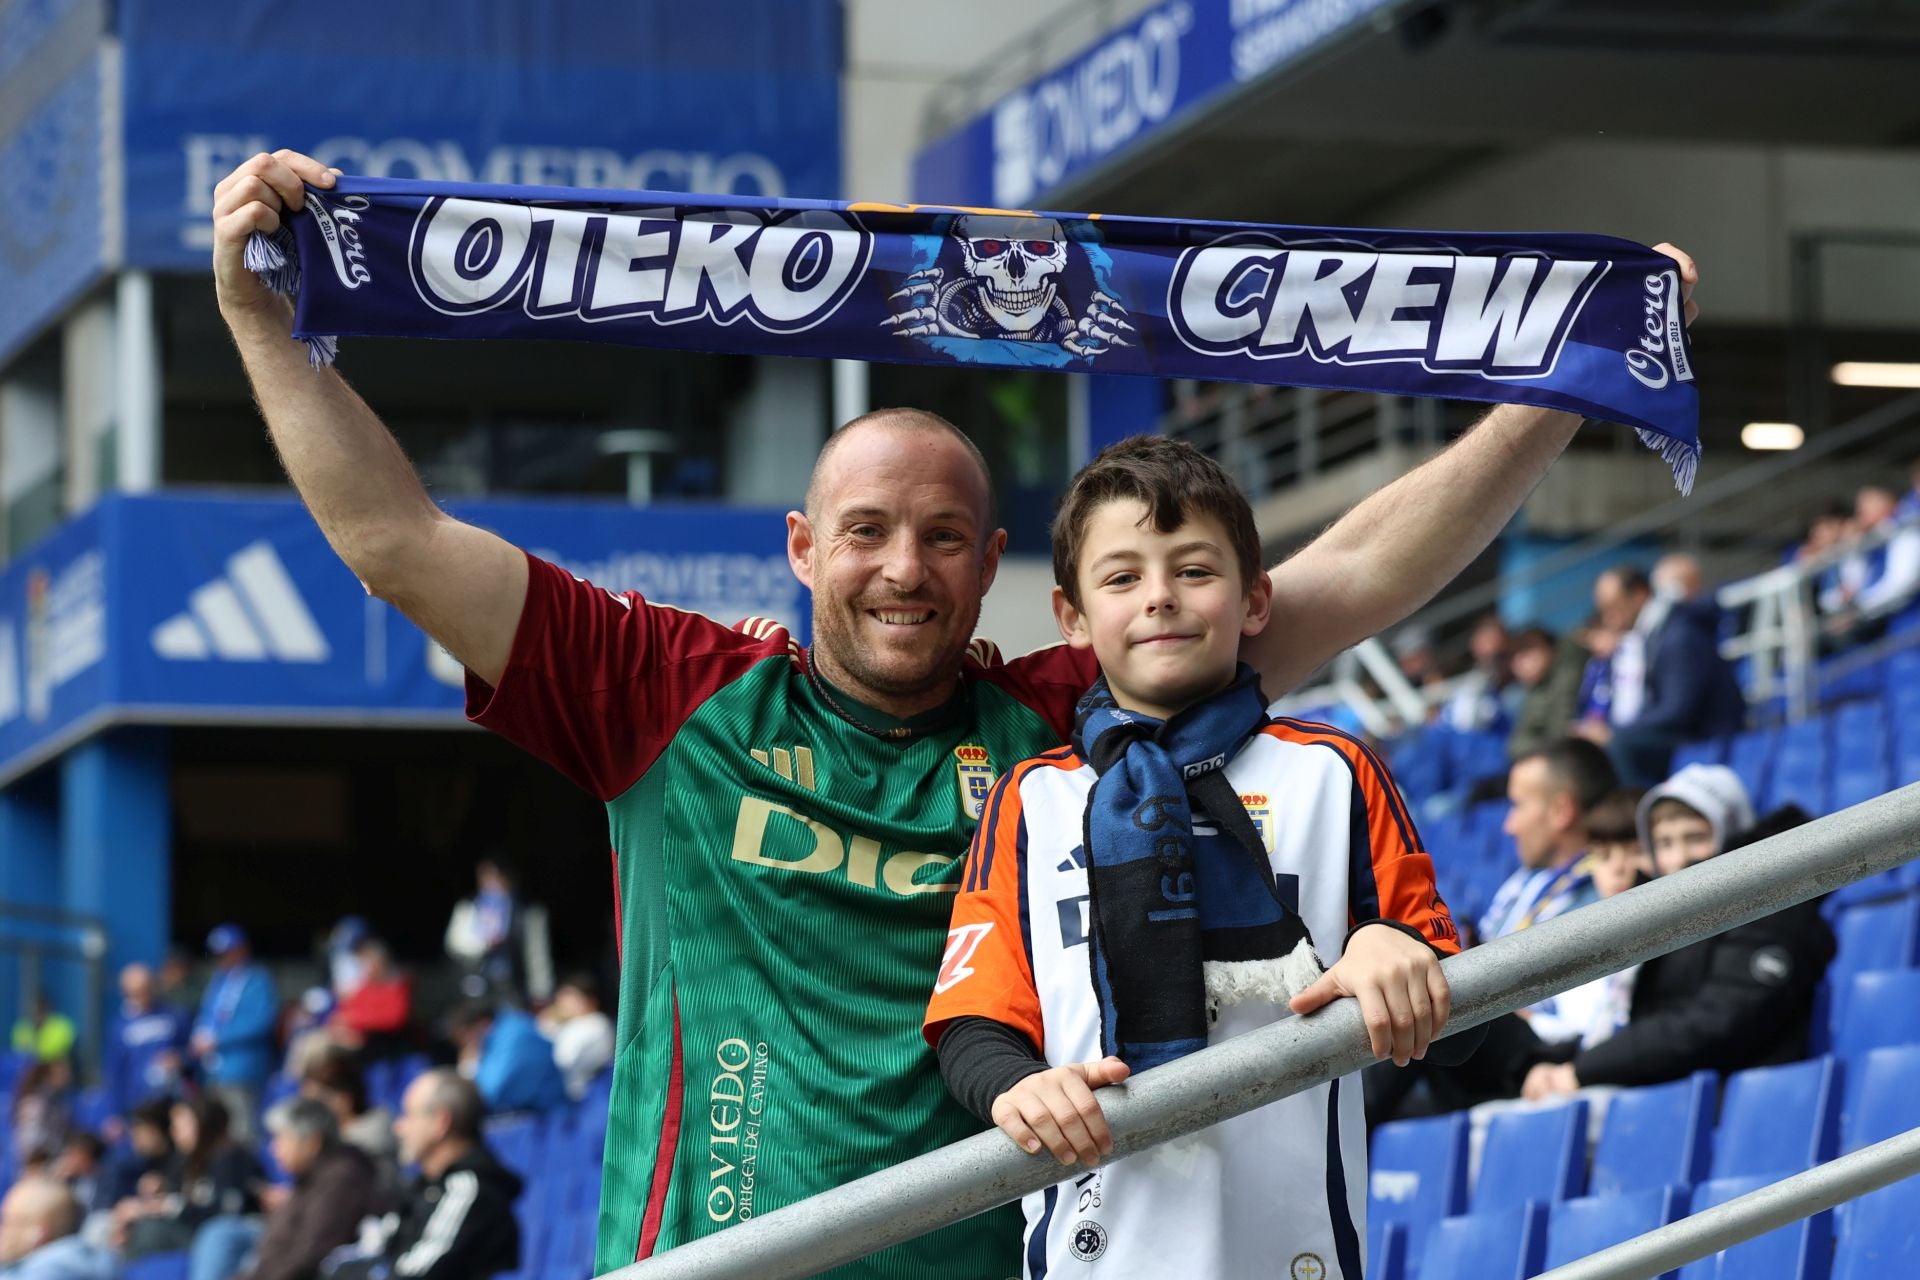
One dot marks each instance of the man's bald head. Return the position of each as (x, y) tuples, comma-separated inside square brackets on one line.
[(35, 1213), (904, 421)]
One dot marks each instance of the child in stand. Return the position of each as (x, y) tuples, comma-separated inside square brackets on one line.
[(1170, 880)]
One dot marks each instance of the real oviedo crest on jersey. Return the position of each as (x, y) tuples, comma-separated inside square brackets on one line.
[(975, 772)]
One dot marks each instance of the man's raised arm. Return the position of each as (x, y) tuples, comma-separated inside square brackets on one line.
[(461, 585), (1392, 553)]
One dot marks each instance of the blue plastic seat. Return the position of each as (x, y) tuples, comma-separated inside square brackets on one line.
[(156, 1266), (1711, 751), (1906, 743), (1800, 767), (1508, 1244), (1880, 1100), (1657, 1136), (1880, 935), (1417, 1174), (1797, 1251), (1879, 1234), (1576, 1228), (1751, 756), (1386, 1251), (1876, 1009), (1533, 1155), (1777, 1118)]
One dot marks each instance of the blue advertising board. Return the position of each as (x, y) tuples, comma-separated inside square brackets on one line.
[(171, 608), (52, 202), (741, 98), (1130, 84)]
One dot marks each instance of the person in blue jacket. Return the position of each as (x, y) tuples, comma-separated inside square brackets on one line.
[(1670, 684), (510, 1062), (233, 1035), (147, 1046)]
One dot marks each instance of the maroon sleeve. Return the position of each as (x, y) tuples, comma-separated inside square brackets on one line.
[(598, 682), (1047, 681)]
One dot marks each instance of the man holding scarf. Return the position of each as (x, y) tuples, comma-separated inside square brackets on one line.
[(788, 824)]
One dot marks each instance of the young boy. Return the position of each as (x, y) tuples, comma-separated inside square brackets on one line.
[(1614, 853), (1164, 883)]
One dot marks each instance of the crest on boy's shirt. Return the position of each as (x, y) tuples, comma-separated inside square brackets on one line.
[(975, 772), (1262, 815)]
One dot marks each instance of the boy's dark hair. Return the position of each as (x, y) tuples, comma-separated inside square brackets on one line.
[(155, 1113), (1175, 481), (1578, 767), (1612, 821)]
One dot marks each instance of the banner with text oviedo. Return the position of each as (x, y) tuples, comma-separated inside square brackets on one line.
[(166, 608)]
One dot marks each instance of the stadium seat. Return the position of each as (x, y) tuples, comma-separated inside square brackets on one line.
[(1418, 1174), (1798, 1251), (1656, 1136), (1906, 744), (1711, 751), (1533, 1155), (1778, 1118), (1751, 756), (156, 1266), (1576, 1228), (1879, 1234), (1859, 782), (1875, 1009), (1799, 768), (1386, 1251), (1880, 1100), (1879, 935), (1505, 1245)]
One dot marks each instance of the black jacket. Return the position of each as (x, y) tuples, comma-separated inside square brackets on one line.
[(1741, 999), (460, 1225)]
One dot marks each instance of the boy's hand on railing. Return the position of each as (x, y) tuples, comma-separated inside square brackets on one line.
[(1056, 1109), (1403, 996)]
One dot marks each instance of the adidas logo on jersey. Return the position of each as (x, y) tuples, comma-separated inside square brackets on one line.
[(794, 766), (251, 613)]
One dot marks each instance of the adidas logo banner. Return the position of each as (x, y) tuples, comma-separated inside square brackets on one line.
[(1588, 324)]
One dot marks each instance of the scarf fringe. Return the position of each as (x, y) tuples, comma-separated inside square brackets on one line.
[(276, 260), (1277, 980), (1683, 457)]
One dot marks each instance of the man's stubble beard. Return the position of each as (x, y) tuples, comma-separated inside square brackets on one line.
[(849, 660)]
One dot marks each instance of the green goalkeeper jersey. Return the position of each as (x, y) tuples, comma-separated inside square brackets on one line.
[(785, 860)]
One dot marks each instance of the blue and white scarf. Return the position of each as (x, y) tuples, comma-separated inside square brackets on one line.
[(1589, 324), (1181, 922)]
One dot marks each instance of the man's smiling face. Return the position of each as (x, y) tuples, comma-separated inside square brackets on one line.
[(896, 549)]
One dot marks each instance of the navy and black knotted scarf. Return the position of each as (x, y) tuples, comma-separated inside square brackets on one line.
[(1172, 912)]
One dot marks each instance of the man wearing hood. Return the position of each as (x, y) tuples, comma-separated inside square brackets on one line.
[(457, 1222), (1743, 998), (1670, 684)]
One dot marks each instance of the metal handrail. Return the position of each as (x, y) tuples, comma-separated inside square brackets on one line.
[(1294, 1054)]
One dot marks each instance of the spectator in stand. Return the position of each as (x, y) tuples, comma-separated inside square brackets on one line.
[(1550, 672), (457, 1223), (1879, 578), (1590, 1013), (39, 1219), (504, 1054), (147, 1045), (149, 1151), (42, 1110), (1743, 998), (1594, 703), (582, 1035), (344, 966), (375, 1015), (1479, 700), (333, 1077), (43, 1034), (333, 1189), (1829, 530), (80, 1166), (233, 1036), (483, 934), (1678, 577), (1670, 684), (210, 1175)]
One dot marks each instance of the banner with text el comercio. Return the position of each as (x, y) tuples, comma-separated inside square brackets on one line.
[(1122, 90), (166, 608), (735, 99)]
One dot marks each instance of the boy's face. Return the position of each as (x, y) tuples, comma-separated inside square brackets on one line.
[(1680, 840), (1163, 612), (1616, 864)]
